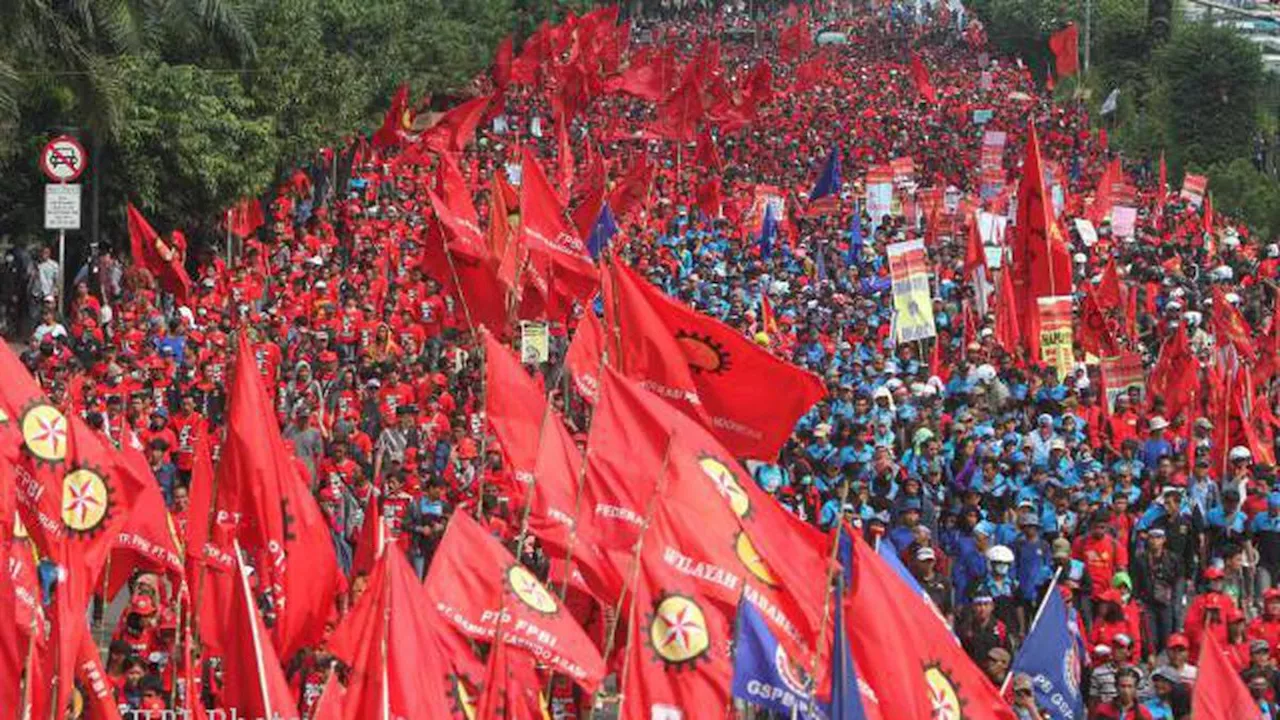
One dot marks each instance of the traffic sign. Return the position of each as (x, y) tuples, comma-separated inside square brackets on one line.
[(61, 206), (63, 159)]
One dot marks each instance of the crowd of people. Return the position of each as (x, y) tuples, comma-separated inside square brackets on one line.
[(994, 474)]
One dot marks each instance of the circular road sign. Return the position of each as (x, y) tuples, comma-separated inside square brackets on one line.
[(63, 159)]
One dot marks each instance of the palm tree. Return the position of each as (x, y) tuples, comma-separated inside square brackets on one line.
[(79, 45)]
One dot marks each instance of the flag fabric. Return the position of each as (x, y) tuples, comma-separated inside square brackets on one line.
[(73, 494), (1096, 336), (390, 133), (795, 40), (1041, 262), (1230, 327), (1172, 378), (1109, 105), (281, 524), (1208, 212), (1220, 694), (768, 232), (768, 321), (556, 254), (1066, 51), (707, 154), (474, 580), (502, 59), (846, 691), (454, 129), (855, 236), (1053, 656), (95, 687), (632, 448), (538, 448), (393, 648), (512, 687), (1008, 324), (1109, 292), (602, 231), (764, 674), (928, 675), (332, 698), (733, 379), (920, 76), (158, 256), (829, 180), (709, 198), (372, 540), (975, 268), (246, 217), (584, 357), (254, 684)]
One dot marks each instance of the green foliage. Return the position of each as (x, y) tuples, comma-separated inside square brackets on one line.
[(1215, 76), (191, 104), (1241, 191), (197, 126)]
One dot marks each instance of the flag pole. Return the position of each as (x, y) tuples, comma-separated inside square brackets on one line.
[(1053, 586), (253, 631), (831, 572), (634, 578)]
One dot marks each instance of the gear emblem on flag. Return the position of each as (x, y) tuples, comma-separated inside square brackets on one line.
[(678, 631), (726, 482), (703, 354), (463, 693), (44, 432), (792, 675), (752, 561), (944, 694), (86, 501), (530, 591)]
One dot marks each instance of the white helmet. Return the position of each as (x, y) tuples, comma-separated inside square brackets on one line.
[(1000, 554)]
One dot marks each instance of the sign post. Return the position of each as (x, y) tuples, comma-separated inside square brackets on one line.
[(62, 161)]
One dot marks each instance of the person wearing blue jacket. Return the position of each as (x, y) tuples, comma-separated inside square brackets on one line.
[(971, 559), (1032, 560)]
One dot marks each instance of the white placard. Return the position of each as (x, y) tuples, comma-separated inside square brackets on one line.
[(61, 206)]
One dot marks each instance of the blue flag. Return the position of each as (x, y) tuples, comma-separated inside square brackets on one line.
[(846, 697), (768, 230), (602, 232), (855, 237), (763, 673), (829, 181), (1052, 655)]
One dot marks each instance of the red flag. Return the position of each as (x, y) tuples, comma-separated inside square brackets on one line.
[(502, 58), (280, 520), (758, 86), (928, 675), (149, 539), (809, 74), (474, 581), (795, 40), (707, 154), (632, 191), (538, 448), (1220, 693), (556, 254), (512, 688), (332, 698), (648, 77), (95, 686), (158, 256), (920, 76), (631, 448), (253, 682), (564, 159), (74, 493), (392, 647), (1208, 212), (584, 356), (246, 217), (1007, 322), (1108, 291), (454, 129), (372, 540), (1066, 51), (709, 199), (12, 628), (1176, 375), (396, 121), (679, 113), (1229, 326), (1095, 331), (1041, 263), (734, 378)]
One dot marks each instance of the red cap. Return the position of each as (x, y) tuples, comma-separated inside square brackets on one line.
[(1177, 640), (1271, 594), (1213, 573)]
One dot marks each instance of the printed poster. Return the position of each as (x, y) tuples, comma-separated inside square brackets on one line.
[(1056, 337), (1119, 374), (912, 298)]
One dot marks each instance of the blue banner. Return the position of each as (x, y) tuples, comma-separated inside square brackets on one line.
[(763, 673), (1053, 656)]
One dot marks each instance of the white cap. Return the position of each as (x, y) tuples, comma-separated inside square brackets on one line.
[(1159, 423)]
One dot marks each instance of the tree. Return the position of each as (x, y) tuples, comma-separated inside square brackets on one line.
[(1213, 77)]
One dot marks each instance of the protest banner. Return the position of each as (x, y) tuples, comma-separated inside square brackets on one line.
[(912, 301)]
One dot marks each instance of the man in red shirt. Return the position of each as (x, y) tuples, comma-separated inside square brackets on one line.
[(1101, 553), (186, 424)]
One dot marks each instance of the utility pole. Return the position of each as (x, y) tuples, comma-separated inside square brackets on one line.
[(1088, 32)]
